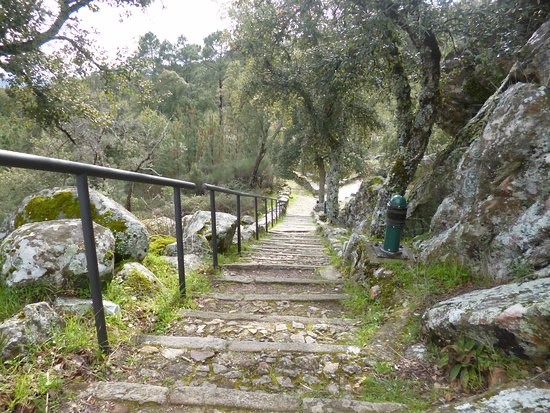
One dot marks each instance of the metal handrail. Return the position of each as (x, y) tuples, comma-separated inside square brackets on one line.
[(82, 171), (213, 189)]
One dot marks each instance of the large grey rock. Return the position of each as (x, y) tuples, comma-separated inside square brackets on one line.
[(514, 400), (197, 233), (53, 253), (132, 239), (190, 261), (33, 325), (160, 226), (83, 305), (498, 210), (514, 317)]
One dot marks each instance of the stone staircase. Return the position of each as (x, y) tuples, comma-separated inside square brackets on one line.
[(273, 337)]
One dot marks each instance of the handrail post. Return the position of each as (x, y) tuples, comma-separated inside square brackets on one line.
[(214, 233), (256, 215), (91, 261), (179, 240), (272, 222), (239, 223), (265, 210)]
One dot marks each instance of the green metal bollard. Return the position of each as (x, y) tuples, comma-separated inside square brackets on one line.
[(395, 221)]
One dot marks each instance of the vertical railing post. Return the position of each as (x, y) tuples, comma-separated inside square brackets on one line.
[(256, 215), (239, 223), (265, 211), (91, 261), (214, 233), (272, 222), (276, 210), (179, 240)]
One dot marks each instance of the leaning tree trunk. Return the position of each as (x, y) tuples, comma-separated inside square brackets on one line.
[(413, 130), (333, 187), (322, 179)]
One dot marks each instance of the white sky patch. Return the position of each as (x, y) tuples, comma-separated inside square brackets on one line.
[(115, 30)]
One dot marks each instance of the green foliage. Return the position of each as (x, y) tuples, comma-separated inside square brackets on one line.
[(470, 363), (13, 299), (158, 244), (380, 389)]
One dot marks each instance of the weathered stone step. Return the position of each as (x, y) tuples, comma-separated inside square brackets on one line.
[(259, 266), (279, 251), (245, 279), (159, 398), (277, 297), (220, 344), (285, 261), (281, 287), (319, 309), (251, 327), (212, 315)]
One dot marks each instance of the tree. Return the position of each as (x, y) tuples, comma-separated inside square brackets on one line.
[(406, 22), (301, 61)]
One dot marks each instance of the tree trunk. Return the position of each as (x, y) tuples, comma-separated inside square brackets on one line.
[(261, 153), (322, 178), (333, 187), (414, 131)]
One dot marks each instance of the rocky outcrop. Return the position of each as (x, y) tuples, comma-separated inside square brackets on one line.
[(132, 239), (197, 233), (32, 325), (496, 213), (160, 226), (53, 253), (526, 398), (513, 317)]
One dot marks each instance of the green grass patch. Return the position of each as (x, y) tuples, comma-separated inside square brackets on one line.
[(379, 389)]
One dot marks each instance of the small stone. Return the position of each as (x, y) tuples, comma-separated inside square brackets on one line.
[(219, 368), (203, 368), (172, 353), (351, 368), (331, 368), (233, 375), (297, 338), (374, 292), (149, 350), (333, 389), (261, 381), (308, 363), (311, 380), (281, 327), (263, 368), (310, 340), (298, 325), (202, 355), (285, 382)]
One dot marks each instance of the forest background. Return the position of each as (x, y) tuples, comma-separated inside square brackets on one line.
[(325, 88)]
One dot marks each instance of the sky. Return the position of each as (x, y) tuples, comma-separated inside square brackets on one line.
[(168, 19)]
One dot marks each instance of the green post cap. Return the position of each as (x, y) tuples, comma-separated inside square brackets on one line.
[(398, 201)]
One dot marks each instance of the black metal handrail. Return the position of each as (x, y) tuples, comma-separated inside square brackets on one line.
[(213, 189), (82, 172)]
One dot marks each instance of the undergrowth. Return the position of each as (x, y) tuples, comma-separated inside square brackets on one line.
[(32, 381)]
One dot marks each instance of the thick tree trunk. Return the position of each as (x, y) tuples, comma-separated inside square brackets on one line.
[(413, 130), (261, 153), (322, 178), (333, 187)]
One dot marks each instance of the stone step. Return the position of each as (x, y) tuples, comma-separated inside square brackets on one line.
[(213, 315), (159, 398), (244, 279), (276, 252), (280, 329), (259, 266), (277, 297), (220, 344), (284, 261)]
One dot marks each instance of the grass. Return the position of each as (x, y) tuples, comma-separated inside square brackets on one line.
[(380, 388), (29, 381)]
